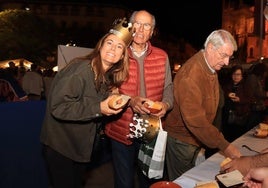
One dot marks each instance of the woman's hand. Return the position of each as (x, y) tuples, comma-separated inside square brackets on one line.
[(106, 110)]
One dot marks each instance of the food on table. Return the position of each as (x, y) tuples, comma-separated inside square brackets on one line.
[(210, 184), (261, 131), (263, 126), (225, 161)]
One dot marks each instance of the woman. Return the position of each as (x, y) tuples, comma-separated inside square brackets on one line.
[(78, 103), (237, 105)]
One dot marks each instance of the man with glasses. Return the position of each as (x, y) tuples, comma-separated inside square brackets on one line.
[(149, 79), (196, 97)]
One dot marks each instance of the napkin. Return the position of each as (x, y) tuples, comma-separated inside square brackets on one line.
[(231, 178)]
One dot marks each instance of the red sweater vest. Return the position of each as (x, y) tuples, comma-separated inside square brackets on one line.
[(154, 75)]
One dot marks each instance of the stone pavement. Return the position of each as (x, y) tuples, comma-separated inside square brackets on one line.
[(100, 177)]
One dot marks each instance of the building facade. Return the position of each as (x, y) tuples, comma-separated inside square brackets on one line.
[(248, 25), (238, 17), (64, 14)]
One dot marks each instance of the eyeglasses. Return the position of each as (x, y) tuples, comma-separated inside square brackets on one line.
[(224, 55), (146, 26)]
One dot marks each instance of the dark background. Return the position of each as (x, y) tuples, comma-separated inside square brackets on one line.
[(192, 20)]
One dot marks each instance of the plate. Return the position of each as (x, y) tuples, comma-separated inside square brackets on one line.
[(231, 178)]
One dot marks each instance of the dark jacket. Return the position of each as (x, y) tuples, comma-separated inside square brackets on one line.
[(73, 111), (242, 107)]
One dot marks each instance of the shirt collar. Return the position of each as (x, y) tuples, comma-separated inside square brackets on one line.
[(139, 54), (210, 68)]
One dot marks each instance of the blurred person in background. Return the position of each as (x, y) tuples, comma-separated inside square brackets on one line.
[(21, 71), (10, 89), (48, 77), (237, 105), (12, 69), (33, 83), (257, 93)]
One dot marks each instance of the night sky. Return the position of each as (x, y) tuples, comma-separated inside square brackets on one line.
[(192, 20)]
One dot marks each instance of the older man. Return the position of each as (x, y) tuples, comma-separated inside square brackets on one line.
[(196, 93)]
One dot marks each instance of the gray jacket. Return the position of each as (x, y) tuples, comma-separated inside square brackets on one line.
[(73, 111)]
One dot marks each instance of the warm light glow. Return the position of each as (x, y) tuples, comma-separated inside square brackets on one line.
[(26, 63), (176, 67), (55, 69), (265, 12)]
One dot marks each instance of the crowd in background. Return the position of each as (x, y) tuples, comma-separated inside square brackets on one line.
[(17, 83), (242, 94)]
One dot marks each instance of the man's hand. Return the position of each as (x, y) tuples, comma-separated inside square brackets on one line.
[(243, 164), (136, 104)]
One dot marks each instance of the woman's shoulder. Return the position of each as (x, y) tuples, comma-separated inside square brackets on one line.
[(76, 66)]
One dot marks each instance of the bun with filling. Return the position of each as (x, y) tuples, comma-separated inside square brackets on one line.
[(261, 133), (154, 107), (207, 185), (118, 101)]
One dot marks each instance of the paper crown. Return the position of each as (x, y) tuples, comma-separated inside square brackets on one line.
[(123, 30)]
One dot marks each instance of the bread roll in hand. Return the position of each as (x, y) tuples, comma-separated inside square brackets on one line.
[(118, 101), (154, 107)]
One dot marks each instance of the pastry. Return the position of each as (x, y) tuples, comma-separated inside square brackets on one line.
[(225, 161), (154, 107), (118, 101), (263, 126), (212, 184), (261, 133)]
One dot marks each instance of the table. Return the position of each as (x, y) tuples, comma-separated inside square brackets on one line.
[(207, 170), (21, 161)]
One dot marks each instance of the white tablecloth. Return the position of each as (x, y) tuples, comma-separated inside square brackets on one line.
[(207, 170)]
